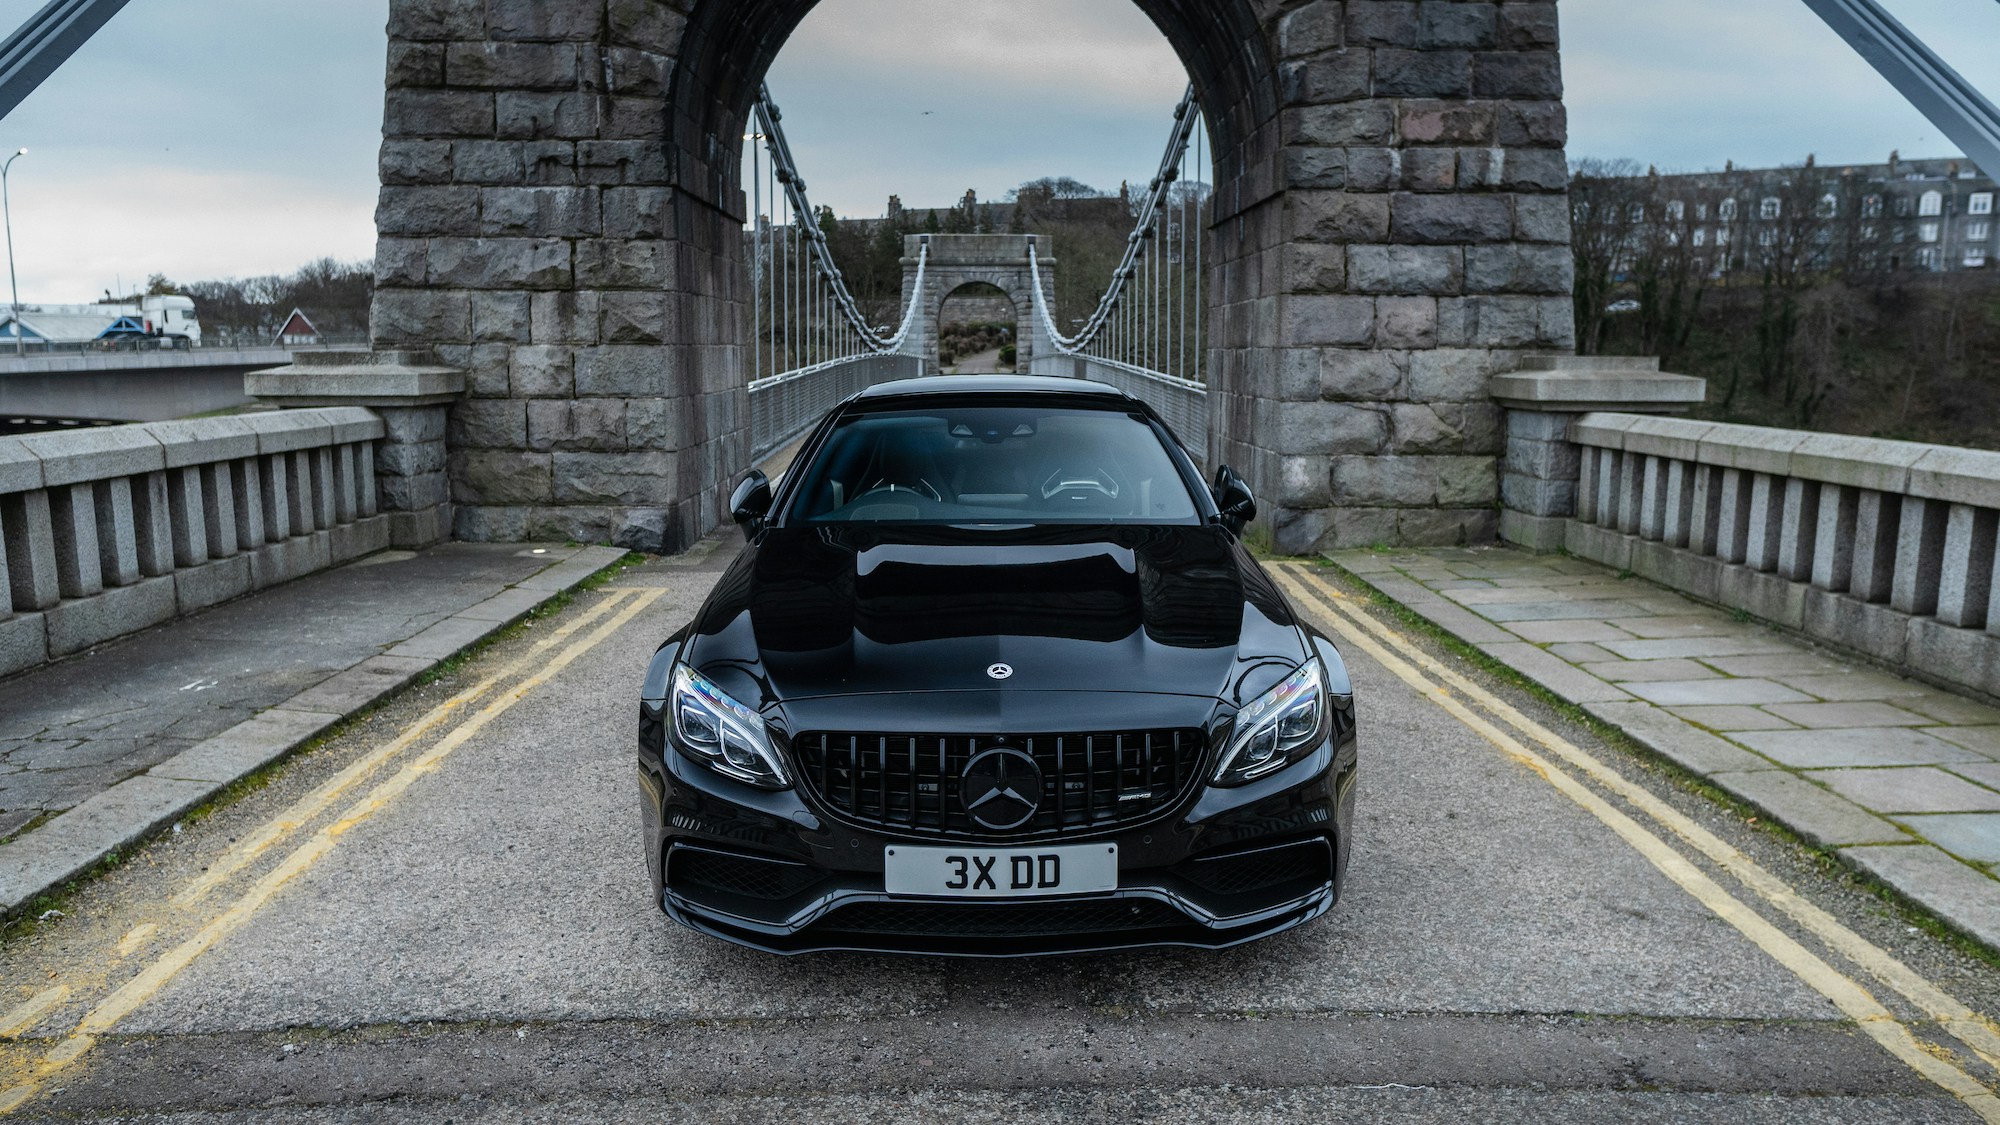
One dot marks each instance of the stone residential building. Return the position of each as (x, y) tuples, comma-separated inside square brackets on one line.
[(1903, 215)]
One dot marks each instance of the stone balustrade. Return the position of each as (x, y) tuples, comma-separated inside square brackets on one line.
[(1883, 547), (110, 530)]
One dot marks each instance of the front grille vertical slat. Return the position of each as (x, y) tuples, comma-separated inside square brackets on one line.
[(1084, 788), (854, 772)]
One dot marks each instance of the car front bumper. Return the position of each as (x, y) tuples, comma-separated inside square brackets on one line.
[(766, 870)]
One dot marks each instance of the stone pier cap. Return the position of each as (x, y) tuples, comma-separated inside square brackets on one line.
[(1569, 384), (358, 377)]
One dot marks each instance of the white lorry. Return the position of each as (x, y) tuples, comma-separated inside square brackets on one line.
[(161, 321)]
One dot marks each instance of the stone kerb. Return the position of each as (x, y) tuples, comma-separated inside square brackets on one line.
[(1544, 400), (107, 531)]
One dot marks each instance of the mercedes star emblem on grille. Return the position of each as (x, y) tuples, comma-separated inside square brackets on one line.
[(1001, 788), (1000, 671)]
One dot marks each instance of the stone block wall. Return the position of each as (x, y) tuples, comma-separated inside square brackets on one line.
[(561, 217), (1420, 248), (531, 234)]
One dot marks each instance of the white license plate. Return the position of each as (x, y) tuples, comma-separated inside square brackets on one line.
[(1005, 873)]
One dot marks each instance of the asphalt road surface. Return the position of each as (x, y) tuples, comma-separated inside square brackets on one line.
[(442, 916)]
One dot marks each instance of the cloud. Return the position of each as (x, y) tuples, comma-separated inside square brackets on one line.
[(199, 138)]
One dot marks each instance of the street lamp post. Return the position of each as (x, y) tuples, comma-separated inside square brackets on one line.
[(7, 213)]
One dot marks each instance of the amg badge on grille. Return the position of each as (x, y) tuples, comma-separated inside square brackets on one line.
[(1001, 788)]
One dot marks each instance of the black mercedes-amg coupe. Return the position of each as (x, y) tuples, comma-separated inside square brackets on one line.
[(994, 675)]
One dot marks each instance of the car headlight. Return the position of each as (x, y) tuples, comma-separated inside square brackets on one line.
[(1278, 728), (722, 734)]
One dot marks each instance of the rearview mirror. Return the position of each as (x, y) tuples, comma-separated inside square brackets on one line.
[(751, 502), (1235, 506)]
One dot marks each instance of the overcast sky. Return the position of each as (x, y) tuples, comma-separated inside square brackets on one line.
[(208, 138)]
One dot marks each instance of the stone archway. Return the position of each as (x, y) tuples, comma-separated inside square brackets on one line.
[(562, 206), (958, 260)]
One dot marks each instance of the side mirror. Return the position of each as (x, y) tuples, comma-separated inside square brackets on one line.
[(751, 502), (1235, 506)]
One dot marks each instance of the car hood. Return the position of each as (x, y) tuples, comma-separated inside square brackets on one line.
[(816, 612)]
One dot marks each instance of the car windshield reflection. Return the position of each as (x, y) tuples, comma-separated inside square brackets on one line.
[(994, 464)]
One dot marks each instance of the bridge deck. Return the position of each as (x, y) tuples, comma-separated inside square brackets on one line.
[(1899, 778), (446, 918)]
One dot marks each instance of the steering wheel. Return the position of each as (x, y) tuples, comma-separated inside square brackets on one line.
[(1094, 484)]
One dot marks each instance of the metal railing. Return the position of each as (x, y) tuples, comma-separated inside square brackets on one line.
[(810, 345), (111, 530)]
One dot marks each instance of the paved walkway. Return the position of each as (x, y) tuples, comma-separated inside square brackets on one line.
[(1901, 779), (107, 746)]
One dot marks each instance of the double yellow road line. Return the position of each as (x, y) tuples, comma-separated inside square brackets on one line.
[(507, 686), (1493, 718)]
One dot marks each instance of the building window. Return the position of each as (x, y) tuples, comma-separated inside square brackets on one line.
[(1767, 238), (1701, 236), (1676, 211), (1636, 213), (1927, 232), (1933, 204), (1928, 258), (1980, 204), (1871, 233), (1871, 207), (1771, 208), (1903, 207), (1701, 211), (1722, 237), (1828, 206), (1979, 230), (1727, 210), (1975, 257)]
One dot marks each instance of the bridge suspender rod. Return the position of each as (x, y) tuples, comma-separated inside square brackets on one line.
[(45, 42), (1937, 91), (808, 239), (1142, 320)]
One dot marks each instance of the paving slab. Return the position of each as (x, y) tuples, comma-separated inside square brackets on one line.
[(116, 742), (1627, 671), (1734, 718), (1851, 686), (1821, 818), (1830, 745), (1665, 734), (1971, 836), (1909, 789), (1985, 740), (1832, 715), (1699, 647), (1873, 746), (1547, 632), (1716, 692)]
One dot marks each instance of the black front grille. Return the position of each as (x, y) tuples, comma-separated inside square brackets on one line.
[(749, 876), (1301, 863), (999, 920), (1089, 781)]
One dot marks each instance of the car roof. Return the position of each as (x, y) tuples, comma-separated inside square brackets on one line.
[(991, 384)]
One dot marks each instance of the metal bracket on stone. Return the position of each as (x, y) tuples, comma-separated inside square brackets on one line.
[(413, 393), (1538, 478)]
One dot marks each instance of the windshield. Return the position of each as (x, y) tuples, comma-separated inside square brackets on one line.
[(993, 464)]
